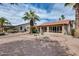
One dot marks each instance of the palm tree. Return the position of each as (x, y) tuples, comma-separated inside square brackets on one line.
[(3, 21), (30, 15), (76, 7), (62, 16)]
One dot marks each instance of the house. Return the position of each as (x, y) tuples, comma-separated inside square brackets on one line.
[(19, 28), (23, 27), (62, 26)]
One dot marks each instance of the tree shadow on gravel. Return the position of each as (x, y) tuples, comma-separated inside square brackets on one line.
[(33, 48)]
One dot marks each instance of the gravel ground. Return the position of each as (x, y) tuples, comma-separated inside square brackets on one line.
[(23, 44)]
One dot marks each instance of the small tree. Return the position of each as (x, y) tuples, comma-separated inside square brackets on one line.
[(3, 21)]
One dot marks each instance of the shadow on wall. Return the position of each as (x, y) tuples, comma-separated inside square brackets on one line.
[(33, 48)]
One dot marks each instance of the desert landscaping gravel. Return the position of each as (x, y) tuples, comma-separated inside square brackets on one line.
[(49, 44)]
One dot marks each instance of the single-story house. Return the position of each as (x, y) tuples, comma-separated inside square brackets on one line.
[(23, 27), (62, 26), (19, 28)]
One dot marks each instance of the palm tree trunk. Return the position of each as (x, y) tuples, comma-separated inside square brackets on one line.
[(77, 15), (31, 25), (77, 20), (30, 29)]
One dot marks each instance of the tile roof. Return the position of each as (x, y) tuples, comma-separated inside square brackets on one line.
[(60, 22)]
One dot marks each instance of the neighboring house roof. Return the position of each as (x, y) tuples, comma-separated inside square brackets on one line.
[(60, 22), (23, 24)]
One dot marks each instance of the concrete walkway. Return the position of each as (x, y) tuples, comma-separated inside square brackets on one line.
[(49, 44)]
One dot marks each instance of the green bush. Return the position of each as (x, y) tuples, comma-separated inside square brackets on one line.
[(77, 33), (34, 31), (2, 33), (12, 31), (73, 32)]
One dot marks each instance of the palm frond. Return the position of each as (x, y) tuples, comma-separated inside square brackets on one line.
[(69, 4), (30, 15), (66, 4), (25, 18), (4, 21), (37, 17)]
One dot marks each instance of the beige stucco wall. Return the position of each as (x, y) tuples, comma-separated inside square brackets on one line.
[(24, 26), (63, 29), (47, 28), (66, 29)]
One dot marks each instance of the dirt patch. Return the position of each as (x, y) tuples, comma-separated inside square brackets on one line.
[(33, 48)]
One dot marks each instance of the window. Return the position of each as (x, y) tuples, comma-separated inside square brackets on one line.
[(57, 29), (60, 29), (50, 29), (54, 29), (44, 29), (21, 28)]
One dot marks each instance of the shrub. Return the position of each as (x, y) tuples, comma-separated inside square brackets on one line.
[(12, 31), (34, 31), (77, 33), (72, 32), (2, 33)]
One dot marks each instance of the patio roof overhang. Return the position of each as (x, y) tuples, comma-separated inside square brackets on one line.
[(60, 22)]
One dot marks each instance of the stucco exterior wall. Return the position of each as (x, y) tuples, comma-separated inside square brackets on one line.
[(23, 27), (66, 29)]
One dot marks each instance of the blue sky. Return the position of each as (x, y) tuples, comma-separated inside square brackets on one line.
[(48, 12)]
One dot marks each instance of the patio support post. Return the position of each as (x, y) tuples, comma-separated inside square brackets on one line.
[(69, 32), (59, 29), (63, 29), (40, 29), (47, 28)]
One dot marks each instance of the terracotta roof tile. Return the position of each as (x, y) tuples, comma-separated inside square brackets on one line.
[(60, 22)]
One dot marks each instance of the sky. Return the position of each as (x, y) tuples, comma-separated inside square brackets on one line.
[(48, 12)]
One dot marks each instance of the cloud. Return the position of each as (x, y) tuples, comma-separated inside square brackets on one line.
[(46, 12), (56, 12), (13, 13), (59, 9), (41, 21)]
